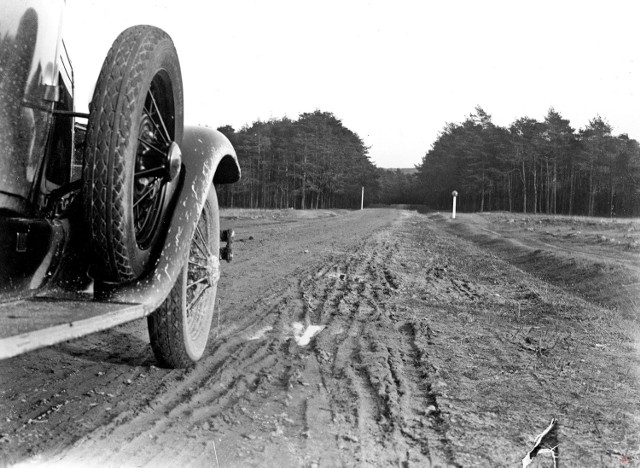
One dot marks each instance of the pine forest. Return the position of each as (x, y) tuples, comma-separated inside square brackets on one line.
[(531, 166)]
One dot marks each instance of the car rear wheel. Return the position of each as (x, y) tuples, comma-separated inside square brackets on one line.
[(179, 328), (132, 154)]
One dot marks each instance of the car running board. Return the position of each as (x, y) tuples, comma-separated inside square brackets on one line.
[(29, 324)]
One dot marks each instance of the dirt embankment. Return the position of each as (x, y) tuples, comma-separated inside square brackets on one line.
[(435, 352), (596, 258)]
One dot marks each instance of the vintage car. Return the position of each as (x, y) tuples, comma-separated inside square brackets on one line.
[(109, 216)]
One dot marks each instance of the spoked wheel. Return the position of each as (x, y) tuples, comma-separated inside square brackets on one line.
[(179, 328), (132, 155)]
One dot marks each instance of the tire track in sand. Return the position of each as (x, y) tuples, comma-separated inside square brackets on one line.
[(381, 402)]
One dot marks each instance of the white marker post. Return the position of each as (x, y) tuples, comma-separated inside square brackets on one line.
[(362, 199), (454, 194)]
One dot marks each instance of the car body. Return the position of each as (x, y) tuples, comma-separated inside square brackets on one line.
[(44, 254)]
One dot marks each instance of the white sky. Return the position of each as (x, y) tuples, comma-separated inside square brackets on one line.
[(393, 71)]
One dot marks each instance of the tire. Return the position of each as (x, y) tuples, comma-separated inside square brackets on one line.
[(179, 328), (132, 152)]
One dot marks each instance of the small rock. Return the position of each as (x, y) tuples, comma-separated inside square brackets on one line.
[(430, 409), (350, 438)]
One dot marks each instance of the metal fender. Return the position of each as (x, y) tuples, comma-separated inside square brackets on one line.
[(207, 157)]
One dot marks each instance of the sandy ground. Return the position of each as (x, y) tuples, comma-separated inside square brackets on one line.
[(445, 343)]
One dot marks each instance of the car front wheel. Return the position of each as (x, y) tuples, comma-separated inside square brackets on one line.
[(179, 328)]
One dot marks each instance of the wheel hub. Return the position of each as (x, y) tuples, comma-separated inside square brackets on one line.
[(175, 160)]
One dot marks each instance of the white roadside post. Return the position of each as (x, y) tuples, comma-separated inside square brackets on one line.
[(454, 194), (362, 199)]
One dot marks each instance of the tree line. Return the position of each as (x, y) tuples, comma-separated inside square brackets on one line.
[(311, 162), (532, 167)]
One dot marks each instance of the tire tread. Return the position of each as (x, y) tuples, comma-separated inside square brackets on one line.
[(120, 83)]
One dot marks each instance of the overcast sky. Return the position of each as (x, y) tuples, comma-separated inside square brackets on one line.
[(395, 72)]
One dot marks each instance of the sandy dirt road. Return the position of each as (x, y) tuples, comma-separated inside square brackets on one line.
[(437, 350)]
